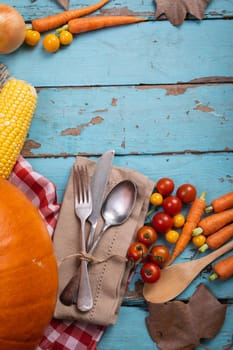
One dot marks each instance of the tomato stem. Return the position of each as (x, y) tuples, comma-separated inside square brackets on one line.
[(151, 211)]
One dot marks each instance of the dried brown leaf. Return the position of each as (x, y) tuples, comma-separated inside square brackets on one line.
[(176, 325), (177, 10), (64, 3)]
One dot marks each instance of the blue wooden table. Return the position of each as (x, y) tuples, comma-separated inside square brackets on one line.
[(160, 96)]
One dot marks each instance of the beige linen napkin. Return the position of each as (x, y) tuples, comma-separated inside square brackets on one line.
[(108, 278)]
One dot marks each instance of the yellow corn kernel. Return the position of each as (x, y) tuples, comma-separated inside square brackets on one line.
[(17, 106)]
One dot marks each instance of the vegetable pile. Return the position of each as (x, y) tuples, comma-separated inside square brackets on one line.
[(69, 23), (168, 233)]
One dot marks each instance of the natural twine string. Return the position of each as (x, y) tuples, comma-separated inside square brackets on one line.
[(90, 258)]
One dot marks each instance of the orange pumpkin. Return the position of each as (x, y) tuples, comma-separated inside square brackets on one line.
[(28, 272)]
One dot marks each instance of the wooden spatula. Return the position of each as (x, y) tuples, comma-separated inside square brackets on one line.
[(175, 279)]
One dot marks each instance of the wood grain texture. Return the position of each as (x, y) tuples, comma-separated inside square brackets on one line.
[(40, 8), (130, 333), (160, 95), (139, 120), (159, 53), (210, 172)]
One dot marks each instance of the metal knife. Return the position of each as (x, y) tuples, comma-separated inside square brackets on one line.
[(98, 186)]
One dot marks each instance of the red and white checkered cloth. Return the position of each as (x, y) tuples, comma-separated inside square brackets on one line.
[(60, 335)]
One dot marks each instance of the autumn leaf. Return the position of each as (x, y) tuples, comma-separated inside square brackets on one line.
[(177, 10), (63, 3)]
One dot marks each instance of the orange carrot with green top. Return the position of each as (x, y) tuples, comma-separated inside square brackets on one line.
[(221, 203), (81, 25), (223, 269), (218, 238), (194, 216), (54, 21), (214, 222)]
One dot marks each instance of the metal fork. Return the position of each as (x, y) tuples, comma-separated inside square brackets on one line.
[(83, 208)]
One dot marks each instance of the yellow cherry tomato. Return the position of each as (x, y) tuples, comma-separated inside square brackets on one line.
[(199, 240), (51, 42), (172, 236), (178, 220), (156, 199), (32, 37), (66, 37)]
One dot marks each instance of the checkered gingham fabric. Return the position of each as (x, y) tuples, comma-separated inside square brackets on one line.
[(59, 335)]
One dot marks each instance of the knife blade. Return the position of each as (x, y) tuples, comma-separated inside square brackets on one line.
[(98, 186)]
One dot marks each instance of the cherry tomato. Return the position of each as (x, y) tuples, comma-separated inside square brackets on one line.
[(65, 37), (147, 235), (136, 251), (150, 272), (165, 186), (32, 37), (187, 193), (199, 240), (172, 236), (156, 199), (159, 254), (162, 222), (172, 205), (51, 42), (178, 220)]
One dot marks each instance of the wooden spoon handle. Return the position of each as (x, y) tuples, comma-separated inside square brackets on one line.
[(216, 254)]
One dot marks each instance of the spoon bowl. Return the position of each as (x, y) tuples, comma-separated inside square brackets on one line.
[(175, 279), (117, 207)]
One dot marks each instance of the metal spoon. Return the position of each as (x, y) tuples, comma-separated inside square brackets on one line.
[(117, 207), (175, 279)]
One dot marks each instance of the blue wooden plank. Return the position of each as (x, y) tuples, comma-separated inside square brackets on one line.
[(153, 128), (152, 119), (211, 172), (145, 53), (130, 332), (40, 8)]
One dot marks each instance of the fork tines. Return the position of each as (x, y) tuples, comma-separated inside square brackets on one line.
[(82, 188)]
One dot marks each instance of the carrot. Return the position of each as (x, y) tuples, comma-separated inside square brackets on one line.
[(194, 216), (223, 269), (218, 238), (221, 203), (81, 25), (54, 21), (214, 222)]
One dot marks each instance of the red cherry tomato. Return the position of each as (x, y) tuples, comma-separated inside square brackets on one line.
[(187, 193), (165, 186), (159, 254), (150, 272), (162, 222), (172, 205), (136, 251), (147, 235)]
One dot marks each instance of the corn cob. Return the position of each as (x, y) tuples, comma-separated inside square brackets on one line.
[(17, 106)]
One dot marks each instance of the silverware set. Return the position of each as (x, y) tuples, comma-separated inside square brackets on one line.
[(83, 209), (89, 204)]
